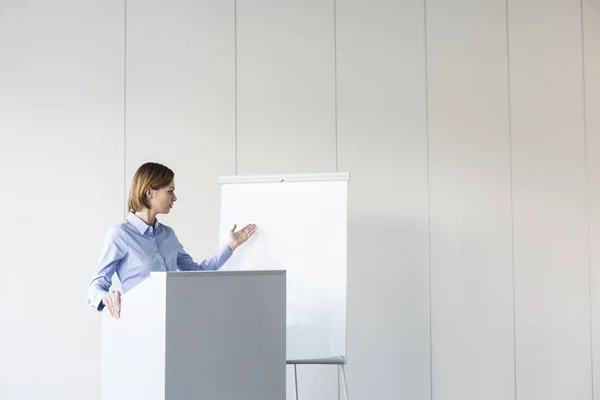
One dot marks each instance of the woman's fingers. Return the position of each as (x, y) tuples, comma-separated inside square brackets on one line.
[(113, 302), (111, 305), (116, 301), (108, 304)]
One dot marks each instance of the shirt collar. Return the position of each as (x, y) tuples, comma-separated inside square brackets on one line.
[(140, 225)]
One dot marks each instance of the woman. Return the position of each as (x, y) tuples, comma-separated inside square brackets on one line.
[(141, 244)]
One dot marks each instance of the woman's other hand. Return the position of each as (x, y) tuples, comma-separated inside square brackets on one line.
[(112, 301)]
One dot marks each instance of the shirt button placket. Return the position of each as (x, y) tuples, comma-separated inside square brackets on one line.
[(162, 262)]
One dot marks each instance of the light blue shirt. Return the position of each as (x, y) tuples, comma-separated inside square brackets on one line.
[(132, 249)]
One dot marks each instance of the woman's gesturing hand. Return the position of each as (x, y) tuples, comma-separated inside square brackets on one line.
[(239, 237)]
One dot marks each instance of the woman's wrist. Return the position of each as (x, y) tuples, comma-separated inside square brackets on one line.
[(232, 246)]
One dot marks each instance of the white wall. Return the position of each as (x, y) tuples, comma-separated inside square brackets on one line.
[(551, 245), (470, 130), (61, 157), (382, 142), (470, 201)]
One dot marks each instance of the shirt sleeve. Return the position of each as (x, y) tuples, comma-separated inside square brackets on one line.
[(185, 262), (113, 251)]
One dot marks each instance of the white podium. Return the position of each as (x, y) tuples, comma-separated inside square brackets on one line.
[(210, 335)]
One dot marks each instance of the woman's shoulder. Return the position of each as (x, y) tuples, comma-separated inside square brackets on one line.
[(117, 231), (115, 236)]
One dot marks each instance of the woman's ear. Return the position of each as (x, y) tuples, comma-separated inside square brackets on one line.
[(149, 193)]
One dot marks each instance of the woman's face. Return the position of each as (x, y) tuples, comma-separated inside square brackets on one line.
[(161, 200)]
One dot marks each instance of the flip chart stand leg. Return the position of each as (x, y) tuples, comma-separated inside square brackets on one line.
[(343, 370), (338, 383), (296, 380)]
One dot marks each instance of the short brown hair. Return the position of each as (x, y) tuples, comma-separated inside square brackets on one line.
[(149, 175)]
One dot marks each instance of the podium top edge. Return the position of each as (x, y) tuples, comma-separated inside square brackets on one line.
[(206, 273)]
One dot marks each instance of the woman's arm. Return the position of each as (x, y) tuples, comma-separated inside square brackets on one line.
[(113, 251), (185, 262)]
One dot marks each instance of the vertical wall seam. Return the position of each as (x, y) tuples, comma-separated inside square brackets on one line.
[(235, 89), (587, 192), (125, 106), (512, 210), (428, 197), (335, 130), (335, 109)]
